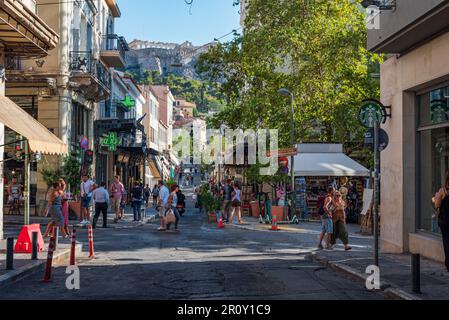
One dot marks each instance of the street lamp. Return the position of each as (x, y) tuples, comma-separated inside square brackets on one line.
[(287, 93)]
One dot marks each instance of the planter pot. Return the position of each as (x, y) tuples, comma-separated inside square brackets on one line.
[(255, 209), (279, 212), (212, 217)]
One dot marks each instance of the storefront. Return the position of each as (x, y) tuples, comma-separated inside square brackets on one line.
[(318, 166)]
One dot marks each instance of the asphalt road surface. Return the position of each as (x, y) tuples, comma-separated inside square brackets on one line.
[(199, 262)]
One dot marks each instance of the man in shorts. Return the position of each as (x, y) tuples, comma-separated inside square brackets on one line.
[(326, 220), (117, 190), (87, 187)]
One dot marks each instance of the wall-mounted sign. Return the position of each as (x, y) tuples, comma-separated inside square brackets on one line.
[(384, 140), (370, 113), (84, 143), (111, 141), (128, 103), (284, 152)]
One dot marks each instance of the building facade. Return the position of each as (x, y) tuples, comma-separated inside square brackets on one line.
[(415, 83), (65, 88)]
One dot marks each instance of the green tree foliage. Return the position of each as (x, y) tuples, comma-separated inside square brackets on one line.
[(316, 49)]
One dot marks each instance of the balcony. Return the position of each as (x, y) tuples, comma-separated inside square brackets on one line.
[(113, 51), (89, 77)]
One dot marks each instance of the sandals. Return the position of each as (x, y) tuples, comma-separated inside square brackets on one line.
[(161, 229), (348, 248)]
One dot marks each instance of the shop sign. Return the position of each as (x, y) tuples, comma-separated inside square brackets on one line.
[(111, 141), (84, 143), (372, 112), (384, 140), (439, 111), (128, 103)]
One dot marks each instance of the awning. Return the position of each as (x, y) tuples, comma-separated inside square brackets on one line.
[(328, 165), (39, 137), (154, 171), (22, 32), (174, 159)]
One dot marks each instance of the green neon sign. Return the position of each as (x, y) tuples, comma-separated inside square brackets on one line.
[(111, 141), (128, 103)]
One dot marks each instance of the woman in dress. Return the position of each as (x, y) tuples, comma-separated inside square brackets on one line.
[(55, 210), (65, 205)]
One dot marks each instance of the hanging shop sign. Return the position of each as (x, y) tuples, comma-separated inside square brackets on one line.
[(372, 112), (128, 103), (84, 143), (111, 141), (384, 140)]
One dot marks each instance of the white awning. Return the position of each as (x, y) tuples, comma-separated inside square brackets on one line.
[(39, 137), (328, 165)]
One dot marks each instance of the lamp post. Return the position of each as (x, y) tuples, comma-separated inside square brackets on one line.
[(287, 93)]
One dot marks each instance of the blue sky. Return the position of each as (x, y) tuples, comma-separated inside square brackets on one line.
[(171, 21)]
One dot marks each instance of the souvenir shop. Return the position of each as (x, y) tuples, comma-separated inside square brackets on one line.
[(318, 166)]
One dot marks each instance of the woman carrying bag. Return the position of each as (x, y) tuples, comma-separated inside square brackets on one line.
[(339, 220)]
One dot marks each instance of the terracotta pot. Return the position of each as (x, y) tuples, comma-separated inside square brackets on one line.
[(255, 209), (279, 212), (212, 217)]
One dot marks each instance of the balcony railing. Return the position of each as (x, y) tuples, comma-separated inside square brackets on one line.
[(113, 50), (81, 62)]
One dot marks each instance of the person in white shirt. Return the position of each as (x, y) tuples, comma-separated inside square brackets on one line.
[(164, 195), (87, 187), (101, 198)]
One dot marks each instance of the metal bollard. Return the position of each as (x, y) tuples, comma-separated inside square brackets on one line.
[(34, 244), (416, 273), (10, 254)]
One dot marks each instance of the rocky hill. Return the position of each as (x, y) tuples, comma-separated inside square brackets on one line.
[(165, 57)]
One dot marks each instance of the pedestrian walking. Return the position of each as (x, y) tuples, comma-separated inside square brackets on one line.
[(163, 204), (226, 194), (339, 221), (236, 203), (137, 198), (327, 226), (65, 205), (87, 187), (441, 201), (55, 211), (155, 194), (147, 193), (117, 191), (101, 199), (173, 202), (181, 202)]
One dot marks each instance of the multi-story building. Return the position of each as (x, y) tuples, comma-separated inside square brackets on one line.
[(120, 135), (65, 88), (153, 169), (166, 101), (23, 35), (415, 84), (183, 108)]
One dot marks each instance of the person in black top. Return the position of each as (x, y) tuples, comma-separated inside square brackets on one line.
[(181, 202), (441, 201), (137, 198), (147, 193)]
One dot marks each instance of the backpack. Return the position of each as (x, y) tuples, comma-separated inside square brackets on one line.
[(137, 192)]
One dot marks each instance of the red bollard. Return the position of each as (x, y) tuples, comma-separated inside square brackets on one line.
[(72, 248), (51, 249), (91, 243)]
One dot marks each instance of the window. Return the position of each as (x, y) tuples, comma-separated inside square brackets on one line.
[(80, 123), (433, 153)]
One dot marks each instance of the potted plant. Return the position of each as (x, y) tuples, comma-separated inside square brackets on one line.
[(209, 204)]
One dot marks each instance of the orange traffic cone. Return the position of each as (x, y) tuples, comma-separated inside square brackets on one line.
[(274, 225), (221, 224)]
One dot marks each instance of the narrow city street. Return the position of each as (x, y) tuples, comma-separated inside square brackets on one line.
[(199, 262)]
